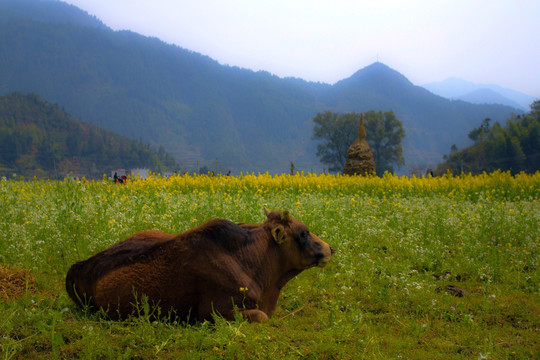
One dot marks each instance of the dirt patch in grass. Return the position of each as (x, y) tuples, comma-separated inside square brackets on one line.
[(14, 282)]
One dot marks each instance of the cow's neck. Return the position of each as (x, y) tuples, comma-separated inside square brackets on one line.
[(269, 267), (270, 272)]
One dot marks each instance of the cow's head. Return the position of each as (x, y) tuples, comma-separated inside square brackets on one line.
[(301, 247)]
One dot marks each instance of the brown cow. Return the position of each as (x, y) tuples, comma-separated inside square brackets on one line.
[(218, 267)]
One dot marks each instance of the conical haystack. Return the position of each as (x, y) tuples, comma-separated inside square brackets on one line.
[(359, 156)]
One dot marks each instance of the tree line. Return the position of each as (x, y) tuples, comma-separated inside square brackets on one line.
[(514, 147)]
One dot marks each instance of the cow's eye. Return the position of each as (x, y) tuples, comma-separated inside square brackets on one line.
[(304, 236)]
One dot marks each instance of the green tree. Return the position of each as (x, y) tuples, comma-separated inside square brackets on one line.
[(480, 133), (338, 131), (384, 135), (535, 107)]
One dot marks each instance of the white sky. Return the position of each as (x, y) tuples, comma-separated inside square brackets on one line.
[(483, 41)]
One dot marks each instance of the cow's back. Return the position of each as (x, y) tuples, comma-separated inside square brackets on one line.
[(139, 248)]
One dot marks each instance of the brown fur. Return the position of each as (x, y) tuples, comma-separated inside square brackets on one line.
[(217, 267)]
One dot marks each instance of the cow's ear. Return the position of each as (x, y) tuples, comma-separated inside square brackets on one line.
[(279, 235), (266, 211)]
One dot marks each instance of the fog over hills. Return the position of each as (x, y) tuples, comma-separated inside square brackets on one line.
[(202, 112)]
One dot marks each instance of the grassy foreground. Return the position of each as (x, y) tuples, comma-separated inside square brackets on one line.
[(426, 268)]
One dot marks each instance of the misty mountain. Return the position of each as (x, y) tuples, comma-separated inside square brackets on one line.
[(455, 88), (203, 112)]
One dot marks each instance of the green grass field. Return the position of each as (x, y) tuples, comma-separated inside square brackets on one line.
[(406, 248)]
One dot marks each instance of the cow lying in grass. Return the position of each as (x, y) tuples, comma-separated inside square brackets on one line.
[(219, 267)]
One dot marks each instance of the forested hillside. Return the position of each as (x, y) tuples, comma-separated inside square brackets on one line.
[(37, 138), (201, 111), (47, 11), (514, 146)]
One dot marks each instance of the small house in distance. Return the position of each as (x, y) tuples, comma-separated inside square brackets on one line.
[(140, 173)]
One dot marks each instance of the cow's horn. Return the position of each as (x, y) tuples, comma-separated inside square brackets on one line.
[(286, 217)]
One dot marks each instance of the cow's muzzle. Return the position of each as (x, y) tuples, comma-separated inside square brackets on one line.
[(324, 257)]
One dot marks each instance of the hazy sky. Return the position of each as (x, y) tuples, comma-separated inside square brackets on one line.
[(484, 41)]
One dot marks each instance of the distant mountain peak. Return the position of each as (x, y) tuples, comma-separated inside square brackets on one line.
[(379, 68), (375, 74), (378, 65)]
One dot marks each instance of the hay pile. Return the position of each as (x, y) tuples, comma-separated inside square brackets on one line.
[(14, 282), (359, 159)]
